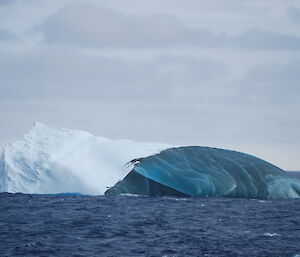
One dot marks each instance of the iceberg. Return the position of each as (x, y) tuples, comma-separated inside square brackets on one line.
[(62, 161), (56, 160), (205, 171)]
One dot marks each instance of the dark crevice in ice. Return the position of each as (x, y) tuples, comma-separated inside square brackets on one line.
[(134, 183)]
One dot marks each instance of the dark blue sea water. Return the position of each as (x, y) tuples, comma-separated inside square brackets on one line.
[(49, 225)]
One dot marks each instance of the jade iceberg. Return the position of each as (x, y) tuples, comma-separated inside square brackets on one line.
[(205, 171)]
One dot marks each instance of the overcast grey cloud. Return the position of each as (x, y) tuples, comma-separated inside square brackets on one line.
[(50, 72), (4, 2), (258, 39), (271, 83), (294, 14), (88, 25), (217, 73), (6, 35)]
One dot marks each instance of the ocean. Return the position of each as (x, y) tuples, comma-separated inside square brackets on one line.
[(127, 225)]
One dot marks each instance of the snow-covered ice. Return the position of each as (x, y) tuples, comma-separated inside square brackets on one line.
[(56, 160)]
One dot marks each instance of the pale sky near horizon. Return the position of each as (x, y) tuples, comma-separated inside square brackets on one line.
[(216, 73)]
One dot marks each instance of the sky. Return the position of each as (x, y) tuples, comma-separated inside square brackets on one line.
[(212, 73)]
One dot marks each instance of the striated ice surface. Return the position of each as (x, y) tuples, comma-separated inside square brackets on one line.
[(205, 171), (55, 160)]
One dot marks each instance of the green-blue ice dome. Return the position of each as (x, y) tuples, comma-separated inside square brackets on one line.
[(205, 171)]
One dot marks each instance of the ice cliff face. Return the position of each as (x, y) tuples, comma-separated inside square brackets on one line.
[(54, 160)]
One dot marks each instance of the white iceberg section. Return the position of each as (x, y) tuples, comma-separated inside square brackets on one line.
[(56, 160)]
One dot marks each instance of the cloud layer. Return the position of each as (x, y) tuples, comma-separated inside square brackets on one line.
[(92, 26), (202, 72)]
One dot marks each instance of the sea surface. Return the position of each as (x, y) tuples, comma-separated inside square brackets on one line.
[(70, 225)]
